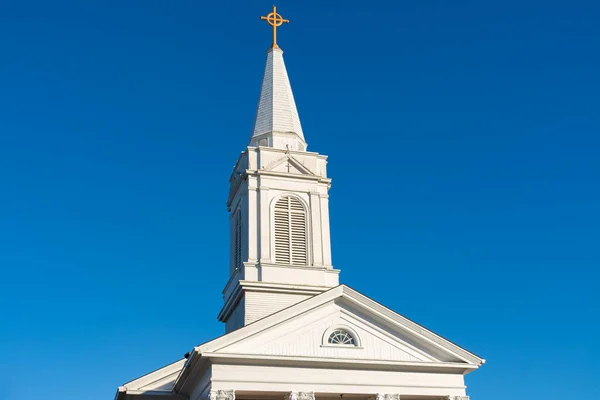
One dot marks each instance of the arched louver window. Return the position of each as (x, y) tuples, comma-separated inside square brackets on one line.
[(237, 240), (290, 232)]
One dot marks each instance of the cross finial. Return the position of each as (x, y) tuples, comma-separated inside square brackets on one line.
[(274, 20)]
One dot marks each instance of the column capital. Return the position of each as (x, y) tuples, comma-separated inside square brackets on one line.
[(222, 395), (299, 396), (387, 396)]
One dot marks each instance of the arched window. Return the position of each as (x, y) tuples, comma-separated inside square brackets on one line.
[(341, 336), (290, 232)]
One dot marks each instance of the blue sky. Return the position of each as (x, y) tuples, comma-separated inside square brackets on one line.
[(463, 139)]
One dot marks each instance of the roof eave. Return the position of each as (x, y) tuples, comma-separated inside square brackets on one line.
[(341, 362)]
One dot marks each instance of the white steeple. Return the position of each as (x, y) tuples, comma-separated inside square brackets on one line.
[(277, 123), (278, 205)]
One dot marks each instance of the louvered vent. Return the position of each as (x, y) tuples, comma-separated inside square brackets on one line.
[(237, 245), (290, 232)]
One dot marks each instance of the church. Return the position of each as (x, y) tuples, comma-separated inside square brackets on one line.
[(292, 331)]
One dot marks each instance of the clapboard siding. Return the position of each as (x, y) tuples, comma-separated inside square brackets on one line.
[(304, 337), (262, 304)]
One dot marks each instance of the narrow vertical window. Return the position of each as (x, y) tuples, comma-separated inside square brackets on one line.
[(237, 240), (290, 232)]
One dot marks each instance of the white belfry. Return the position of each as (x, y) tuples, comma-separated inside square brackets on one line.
[(277, 123)]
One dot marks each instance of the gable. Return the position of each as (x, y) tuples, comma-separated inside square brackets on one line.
[(289, 165), (307, 336), (295, 332)]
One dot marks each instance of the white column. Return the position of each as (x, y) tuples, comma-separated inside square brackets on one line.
[(264, 221), (325, 229), (252, 224), (315, 222)]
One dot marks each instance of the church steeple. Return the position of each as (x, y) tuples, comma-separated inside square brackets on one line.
[(277, 123), (280, 251)]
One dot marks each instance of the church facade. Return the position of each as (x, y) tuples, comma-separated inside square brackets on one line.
[(292, 332)]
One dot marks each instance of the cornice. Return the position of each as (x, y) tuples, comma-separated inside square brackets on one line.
[(284, 151), (352, 363), (242, 153), (324, 268), (263, 135), (254, 286), (288, 175)]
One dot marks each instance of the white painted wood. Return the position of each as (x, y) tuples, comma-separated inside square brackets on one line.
[(261, 304), (303, 335), (360, 313), (263, 176), (335, 380), (277, 123), (161, 379), (237, 318)]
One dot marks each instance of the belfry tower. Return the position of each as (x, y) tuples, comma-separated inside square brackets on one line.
[(279, 208)]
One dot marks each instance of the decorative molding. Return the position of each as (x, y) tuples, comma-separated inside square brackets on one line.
[(344, 295), (222, 395), (299, 396), (387, 396), (292, 161)]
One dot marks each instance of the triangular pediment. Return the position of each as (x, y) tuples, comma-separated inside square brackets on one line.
[(379, 334), (289, 165), (307, 336)]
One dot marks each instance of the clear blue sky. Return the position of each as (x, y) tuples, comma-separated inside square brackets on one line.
[(464, 146)]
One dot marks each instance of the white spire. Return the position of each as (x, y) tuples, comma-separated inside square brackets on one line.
[(277, 123)]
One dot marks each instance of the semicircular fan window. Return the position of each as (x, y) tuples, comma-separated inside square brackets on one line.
[(341, 336)]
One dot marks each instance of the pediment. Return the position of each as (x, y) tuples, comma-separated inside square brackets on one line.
[(307, 336), (289, 165), (302, 331)]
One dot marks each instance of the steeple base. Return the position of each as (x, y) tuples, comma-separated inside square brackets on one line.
[(260, 290)]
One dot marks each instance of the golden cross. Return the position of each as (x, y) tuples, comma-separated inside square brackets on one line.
[(275, 20)]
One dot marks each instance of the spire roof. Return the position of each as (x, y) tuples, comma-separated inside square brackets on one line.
[(276, 112)]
